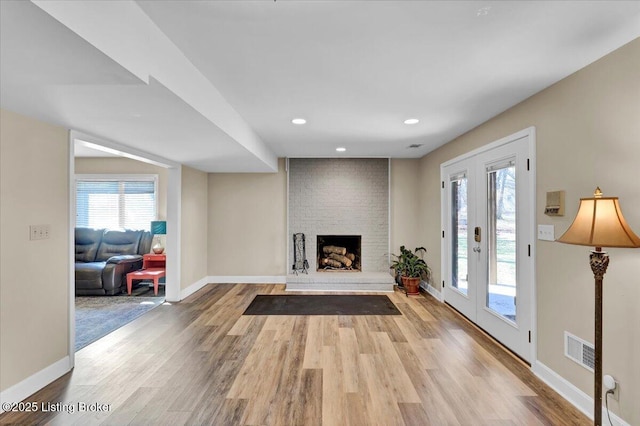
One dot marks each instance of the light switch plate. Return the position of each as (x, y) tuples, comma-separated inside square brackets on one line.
[(39, 232), (546, 232)]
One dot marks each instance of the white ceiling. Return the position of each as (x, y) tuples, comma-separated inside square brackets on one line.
[(215, 84)]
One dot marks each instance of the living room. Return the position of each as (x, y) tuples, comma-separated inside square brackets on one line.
[(586, 129)]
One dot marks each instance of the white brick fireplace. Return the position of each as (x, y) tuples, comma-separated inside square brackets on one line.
[(329, 196)]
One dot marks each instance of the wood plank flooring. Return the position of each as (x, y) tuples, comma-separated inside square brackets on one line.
[(200, 362)]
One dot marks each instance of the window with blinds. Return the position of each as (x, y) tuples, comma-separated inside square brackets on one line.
[(116, 202)]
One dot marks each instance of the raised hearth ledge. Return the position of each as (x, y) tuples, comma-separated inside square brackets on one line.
[(341, 281)]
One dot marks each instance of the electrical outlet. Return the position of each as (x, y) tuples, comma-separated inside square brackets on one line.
[(546, 232), (610, 384), (615, 394)]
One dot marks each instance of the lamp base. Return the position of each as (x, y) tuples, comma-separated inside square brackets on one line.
[(599, 261)]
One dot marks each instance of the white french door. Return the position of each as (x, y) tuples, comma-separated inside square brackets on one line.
[(488, 233)]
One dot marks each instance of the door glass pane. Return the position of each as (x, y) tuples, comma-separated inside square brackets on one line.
[(501, 241), (459, 274)]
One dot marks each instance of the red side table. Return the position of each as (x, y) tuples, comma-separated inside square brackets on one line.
[(153, 268)]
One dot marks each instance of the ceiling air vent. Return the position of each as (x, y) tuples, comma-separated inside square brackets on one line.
[(415, 145), (579, 351)]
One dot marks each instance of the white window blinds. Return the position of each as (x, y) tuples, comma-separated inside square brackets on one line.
[(116, 203)]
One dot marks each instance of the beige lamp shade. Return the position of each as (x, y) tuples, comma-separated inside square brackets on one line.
[(599, 223)]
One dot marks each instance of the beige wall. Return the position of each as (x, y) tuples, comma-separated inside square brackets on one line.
[(193, 228), (34, 275), (247, 218), (404, 204), (123, 165), (248, 223), (588, 135)]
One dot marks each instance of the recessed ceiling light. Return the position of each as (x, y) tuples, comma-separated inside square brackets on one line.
[(483, 11), (411, 121), (298, 121), (341, 149)]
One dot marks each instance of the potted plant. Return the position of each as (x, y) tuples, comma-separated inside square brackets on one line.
[(398, 264), (412, 268)]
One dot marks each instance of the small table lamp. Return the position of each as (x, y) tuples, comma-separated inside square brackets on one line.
[(159, 228), (599, 223)]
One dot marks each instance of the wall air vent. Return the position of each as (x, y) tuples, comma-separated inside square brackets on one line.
[(579, 351)]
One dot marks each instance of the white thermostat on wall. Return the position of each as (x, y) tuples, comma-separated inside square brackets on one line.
[(555, 204)]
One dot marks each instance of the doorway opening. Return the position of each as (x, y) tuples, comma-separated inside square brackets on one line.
[(121, 191)]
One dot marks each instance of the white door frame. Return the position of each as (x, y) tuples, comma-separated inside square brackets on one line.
[(529, 132)]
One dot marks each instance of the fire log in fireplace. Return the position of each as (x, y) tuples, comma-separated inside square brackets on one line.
[(339, 252)]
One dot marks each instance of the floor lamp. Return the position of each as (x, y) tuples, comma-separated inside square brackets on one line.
[(599, 223)]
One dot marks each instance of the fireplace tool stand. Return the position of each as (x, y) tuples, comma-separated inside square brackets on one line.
[(299, 254)]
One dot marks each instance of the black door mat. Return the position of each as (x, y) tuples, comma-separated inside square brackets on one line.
[(347, 304)]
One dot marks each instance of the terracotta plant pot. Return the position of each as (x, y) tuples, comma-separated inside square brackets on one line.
[(411, 285)]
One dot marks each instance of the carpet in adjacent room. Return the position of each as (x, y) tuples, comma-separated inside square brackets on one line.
[(97, 316)]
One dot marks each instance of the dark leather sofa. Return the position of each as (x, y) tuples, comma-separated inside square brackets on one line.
[(105, 257)]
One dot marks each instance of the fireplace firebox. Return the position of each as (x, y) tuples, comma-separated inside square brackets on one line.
[(339, 253)]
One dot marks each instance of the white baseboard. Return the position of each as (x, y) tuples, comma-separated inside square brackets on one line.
[(568, 391), (186, 292), (249, 279), (432, 291), (341, 287), (231, 279), (35, 382)]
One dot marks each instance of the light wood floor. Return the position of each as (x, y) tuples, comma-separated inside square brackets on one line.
[(200, 362)]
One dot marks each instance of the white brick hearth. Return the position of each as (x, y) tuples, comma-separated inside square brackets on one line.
[(341, 281), (347, 196)]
